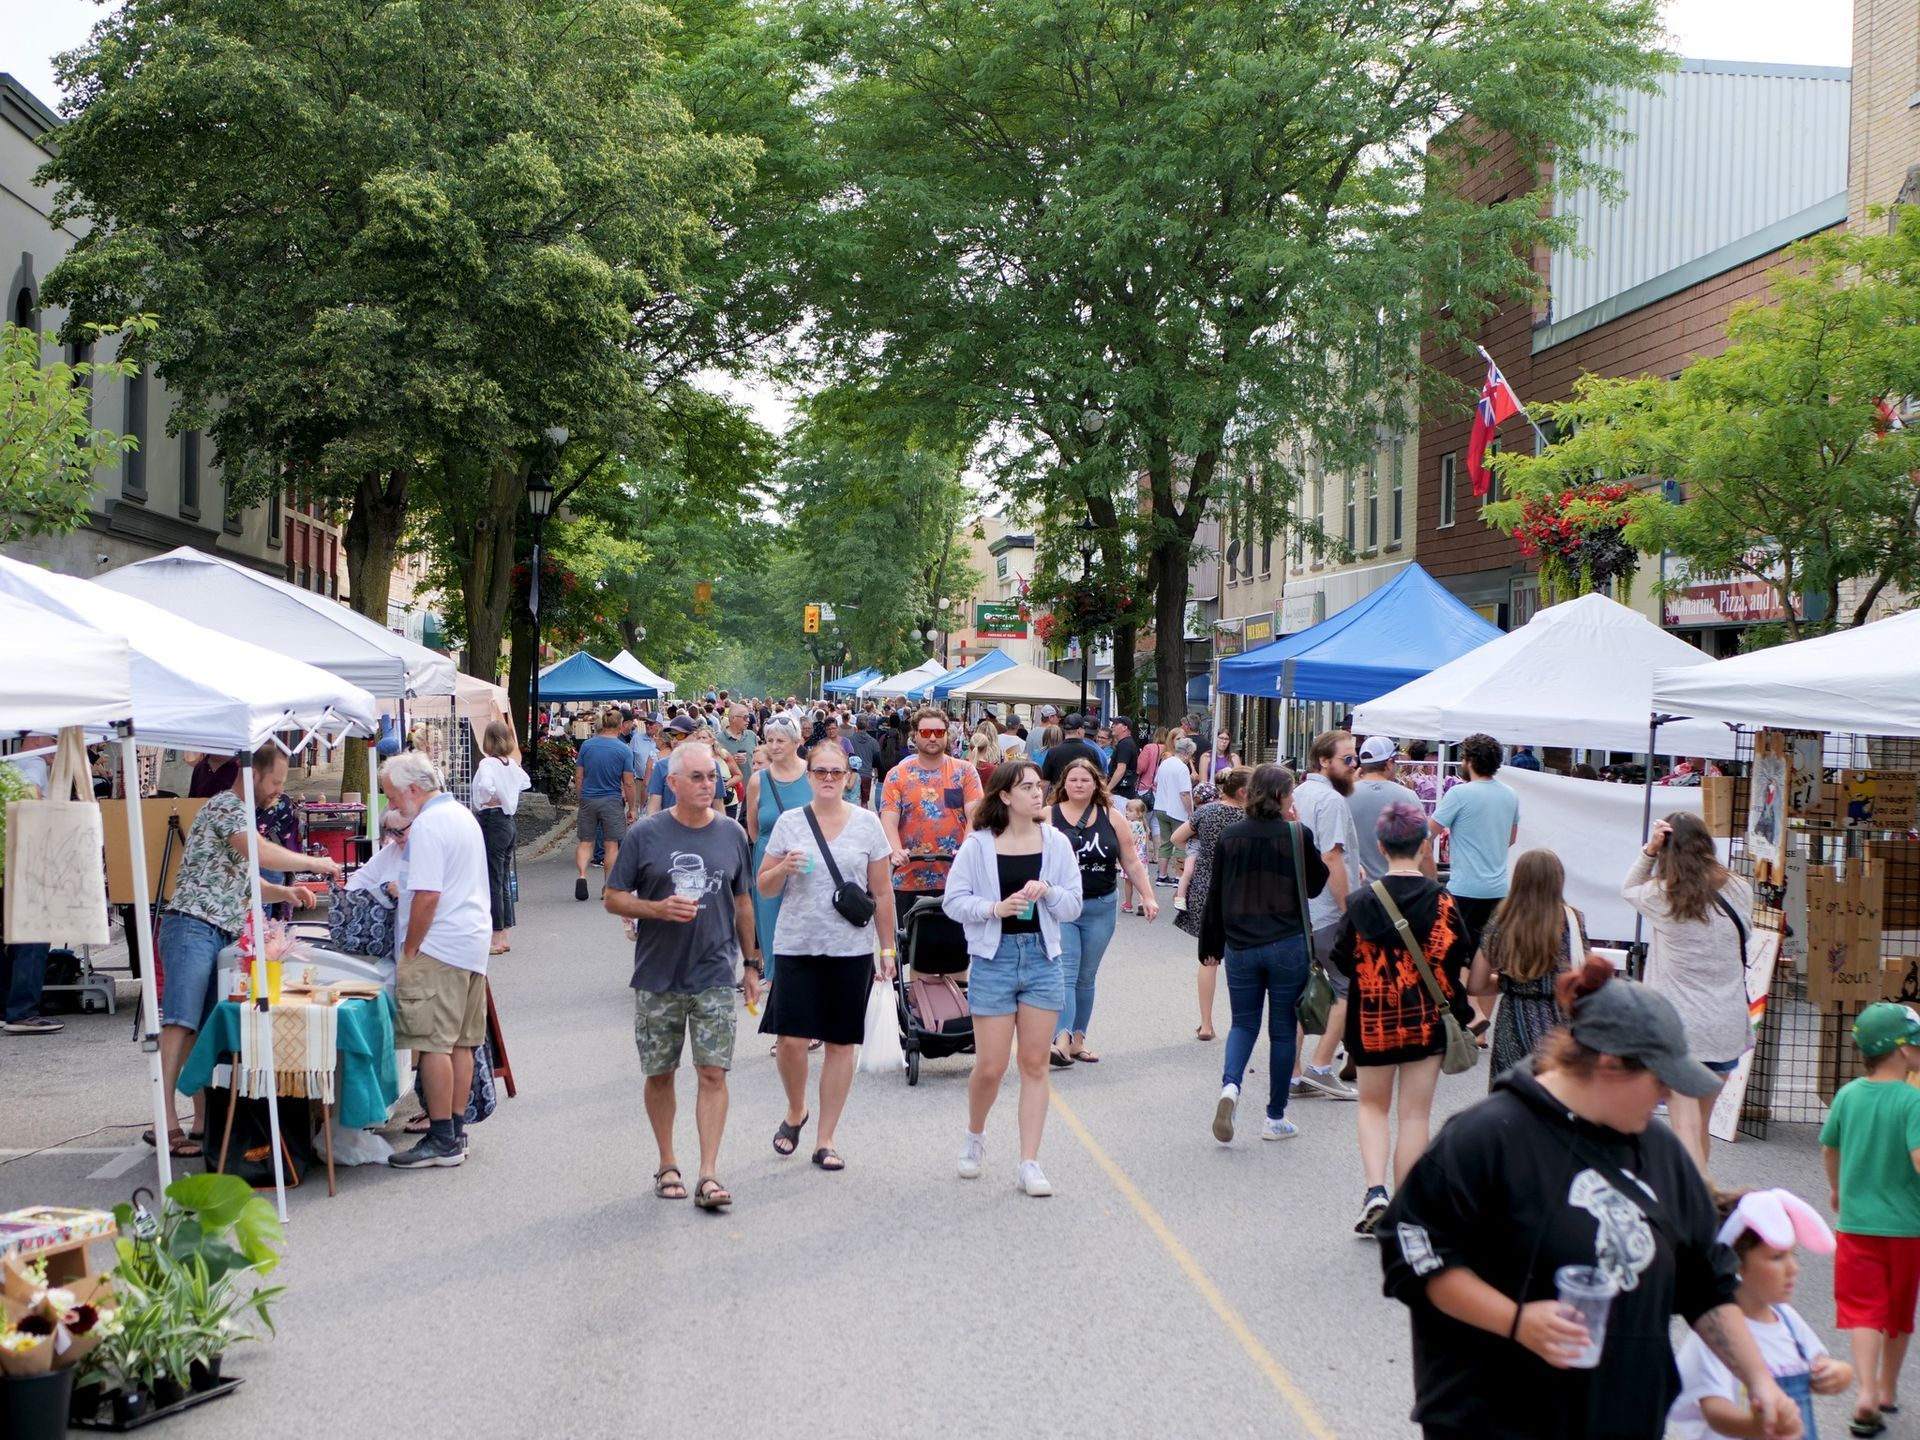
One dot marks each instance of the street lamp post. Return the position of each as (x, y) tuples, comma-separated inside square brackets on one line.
[(539, 506), (1086, 528)]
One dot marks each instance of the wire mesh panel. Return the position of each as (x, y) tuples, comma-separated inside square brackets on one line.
[(448, 742), (1845, 900)]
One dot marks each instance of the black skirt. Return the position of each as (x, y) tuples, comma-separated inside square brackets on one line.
[(819, 997)]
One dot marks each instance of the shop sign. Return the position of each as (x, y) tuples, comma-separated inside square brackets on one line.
[(999, 622), (1258, 630), (1227, 638), (1725, 602)]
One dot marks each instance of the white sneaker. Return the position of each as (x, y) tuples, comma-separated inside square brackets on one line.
[(1278, 1130), (972, 1154), (1223, 1113), (1032, 1179), (1326, 1082)]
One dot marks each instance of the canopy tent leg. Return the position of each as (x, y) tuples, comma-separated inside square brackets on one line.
[(259, 915), (141, 940), (1637, 954)]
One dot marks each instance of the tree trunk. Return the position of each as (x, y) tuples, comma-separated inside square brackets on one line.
[(1126, 673), (486, 572), (1168, 566), (372, 539)]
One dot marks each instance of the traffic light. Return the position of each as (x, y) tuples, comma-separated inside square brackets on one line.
[(812, 622)]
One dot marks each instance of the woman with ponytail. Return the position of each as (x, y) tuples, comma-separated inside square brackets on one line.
[(1563, 1166)]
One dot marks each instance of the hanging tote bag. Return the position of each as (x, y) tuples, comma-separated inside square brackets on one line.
[(1462, 1052), (56, 880), (880, 1050), (1316, 1001)]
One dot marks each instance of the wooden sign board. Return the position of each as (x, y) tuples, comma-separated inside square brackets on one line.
[(1899, 862), (1845, 921), (1716, 805), (1767, 792), (1901, 980), (1876, 799), (1807, 791), (1724, 1124), (154, 815)]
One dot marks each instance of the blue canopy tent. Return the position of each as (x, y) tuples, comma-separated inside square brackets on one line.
[(1405, 629), (991, 663), (847, 684), (581, 677)]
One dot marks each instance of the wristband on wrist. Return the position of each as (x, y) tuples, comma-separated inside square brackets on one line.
[(1513, 1330)]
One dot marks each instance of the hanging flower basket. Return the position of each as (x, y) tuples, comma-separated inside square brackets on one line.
[(1578, 536)]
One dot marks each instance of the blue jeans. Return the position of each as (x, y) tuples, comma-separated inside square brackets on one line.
[(190, 960), (1019, 973), (23, 974), (1274, 976), (1083, 943)]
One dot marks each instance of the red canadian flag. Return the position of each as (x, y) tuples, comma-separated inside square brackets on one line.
[(1497, 403)]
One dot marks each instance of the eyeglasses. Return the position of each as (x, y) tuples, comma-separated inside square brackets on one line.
[(1350, 761), (828, 774), (699, 777), (935, 734)]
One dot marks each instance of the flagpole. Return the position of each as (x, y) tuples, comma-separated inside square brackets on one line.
[(1521, 409)]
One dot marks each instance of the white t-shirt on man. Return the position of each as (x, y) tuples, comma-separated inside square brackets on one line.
[(446, 852), (1173, 789)]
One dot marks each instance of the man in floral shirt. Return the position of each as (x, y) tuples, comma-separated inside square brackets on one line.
[(206, 914), (925, 807)]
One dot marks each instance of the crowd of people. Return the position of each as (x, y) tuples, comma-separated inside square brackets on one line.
[(783, 852)]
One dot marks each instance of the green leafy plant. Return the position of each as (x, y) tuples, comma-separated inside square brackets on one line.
[(179, 1291)]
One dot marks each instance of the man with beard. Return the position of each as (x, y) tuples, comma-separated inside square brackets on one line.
[(926, 806), (1320, 802)]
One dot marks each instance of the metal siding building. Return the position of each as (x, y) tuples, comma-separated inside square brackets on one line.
[(1729, 161)]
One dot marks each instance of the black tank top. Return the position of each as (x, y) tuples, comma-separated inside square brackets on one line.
[(1096, 847)]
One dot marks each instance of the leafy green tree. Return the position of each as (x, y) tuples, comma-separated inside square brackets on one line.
[(1123, 240), (49, 446), (390, 243), (1787, 473)]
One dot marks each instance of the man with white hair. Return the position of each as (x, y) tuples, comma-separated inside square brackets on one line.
[(685, 875), (442, 930)]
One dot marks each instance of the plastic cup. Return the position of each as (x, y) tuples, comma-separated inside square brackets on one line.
[(1587, 1291), (1025, 912), (688, 887), (806, 864)]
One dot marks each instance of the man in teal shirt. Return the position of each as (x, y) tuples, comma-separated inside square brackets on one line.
[(1481, 820)]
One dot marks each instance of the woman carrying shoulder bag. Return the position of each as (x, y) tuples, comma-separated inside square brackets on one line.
[(1014, 884), (1533, 939), (1265, 869), (817, 856), (1697, 956)]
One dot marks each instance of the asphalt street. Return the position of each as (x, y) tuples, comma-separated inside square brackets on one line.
[(1171, 1286)]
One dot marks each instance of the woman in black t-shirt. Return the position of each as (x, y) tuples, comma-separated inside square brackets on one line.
[(1084, 812), (1565, 1167)]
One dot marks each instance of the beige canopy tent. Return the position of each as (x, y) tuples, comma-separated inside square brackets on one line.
[(1020, 683)]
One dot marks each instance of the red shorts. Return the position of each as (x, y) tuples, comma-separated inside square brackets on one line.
[(1876, 1281)]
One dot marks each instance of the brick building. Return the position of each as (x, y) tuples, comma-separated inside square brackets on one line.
[(1729, 164)]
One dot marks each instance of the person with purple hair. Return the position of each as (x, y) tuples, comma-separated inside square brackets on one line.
[(1395, 1033)]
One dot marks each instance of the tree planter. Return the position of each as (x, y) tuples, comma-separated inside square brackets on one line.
[(122, 1410), (34, 1407)]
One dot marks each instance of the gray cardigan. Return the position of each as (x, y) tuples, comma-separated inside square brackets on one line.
[(973, 889)]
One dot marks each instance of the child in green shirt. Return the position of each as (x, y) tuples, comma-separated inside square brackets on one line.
[(1872, 1150)]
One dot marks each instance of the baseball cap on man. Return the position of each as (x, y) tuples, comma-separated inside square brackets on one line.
[(1049, 712), (1074, 721), (1629, 1020), (1884, 1027), (1378, 750), (681, 725), (1121, 720)]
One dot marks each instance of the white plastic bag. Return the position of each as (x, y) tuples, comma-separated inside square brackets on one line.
[(353, 1147), (880, 1052)]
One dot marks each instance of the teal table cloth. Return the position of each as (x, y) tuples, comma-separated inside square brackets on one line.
[(369, 1080)]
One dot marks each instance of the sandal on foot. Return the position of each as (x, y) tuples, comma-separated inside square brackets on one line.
[(182, 1146), (790, 1134), (828, 1158), (710, 1194), (1867, 1425), (1200, 1032), (665, 1189), (1059, 1059), (418, 1125), (1086, 1057)]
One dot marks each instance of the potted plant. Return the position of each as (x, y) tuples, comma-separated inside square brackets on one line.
[(182, 1281)]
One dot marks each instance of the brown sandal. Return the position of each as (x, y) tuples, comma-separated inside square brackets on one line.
[(182, 1146), (665, 1189), (710, 1194)]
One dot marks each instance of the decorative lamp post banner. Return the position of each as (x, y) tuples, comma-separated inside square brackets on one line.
[(999, 622)]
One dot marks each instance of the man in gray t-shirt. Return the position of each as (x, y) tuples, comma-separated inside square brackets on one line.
[(1321, 803), (684, 875), (1373, 792)]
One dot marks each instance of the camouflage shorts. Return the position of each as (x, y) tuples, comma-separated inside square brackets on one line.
[(661, 1021)]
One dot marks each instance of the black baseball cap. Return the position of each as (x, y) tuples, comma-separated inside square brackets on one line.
[(1120, 720), (1629, 1020), (681, 725), (1074, 720)]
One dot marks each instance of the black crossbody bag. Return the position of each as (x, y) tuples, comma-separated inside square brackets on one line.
[(855, 906)]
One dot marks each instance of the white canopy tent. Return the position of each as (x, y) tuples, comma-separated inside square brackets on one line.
[(633, 669), (195, 689), (59, 673), (1578, 674), (1863, 681), (906, 680), (1020, 683), (249, 605)]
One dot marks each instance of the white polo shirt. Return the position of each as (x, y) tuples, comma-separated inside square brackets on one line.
[(446, 852)]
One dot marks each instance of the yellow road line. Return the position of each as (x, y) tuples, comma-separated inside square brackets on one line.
[(1262, 1358)]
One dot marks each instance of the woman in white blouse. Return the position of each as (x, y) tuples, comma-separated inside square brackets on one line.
[(497, 783)]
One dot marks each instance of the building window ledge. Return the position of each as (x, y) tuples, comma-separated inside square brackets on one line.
[(1392, 549)]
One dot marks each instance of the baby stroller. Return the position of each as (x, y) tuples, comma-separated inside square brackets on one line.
[(934, 1018)]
